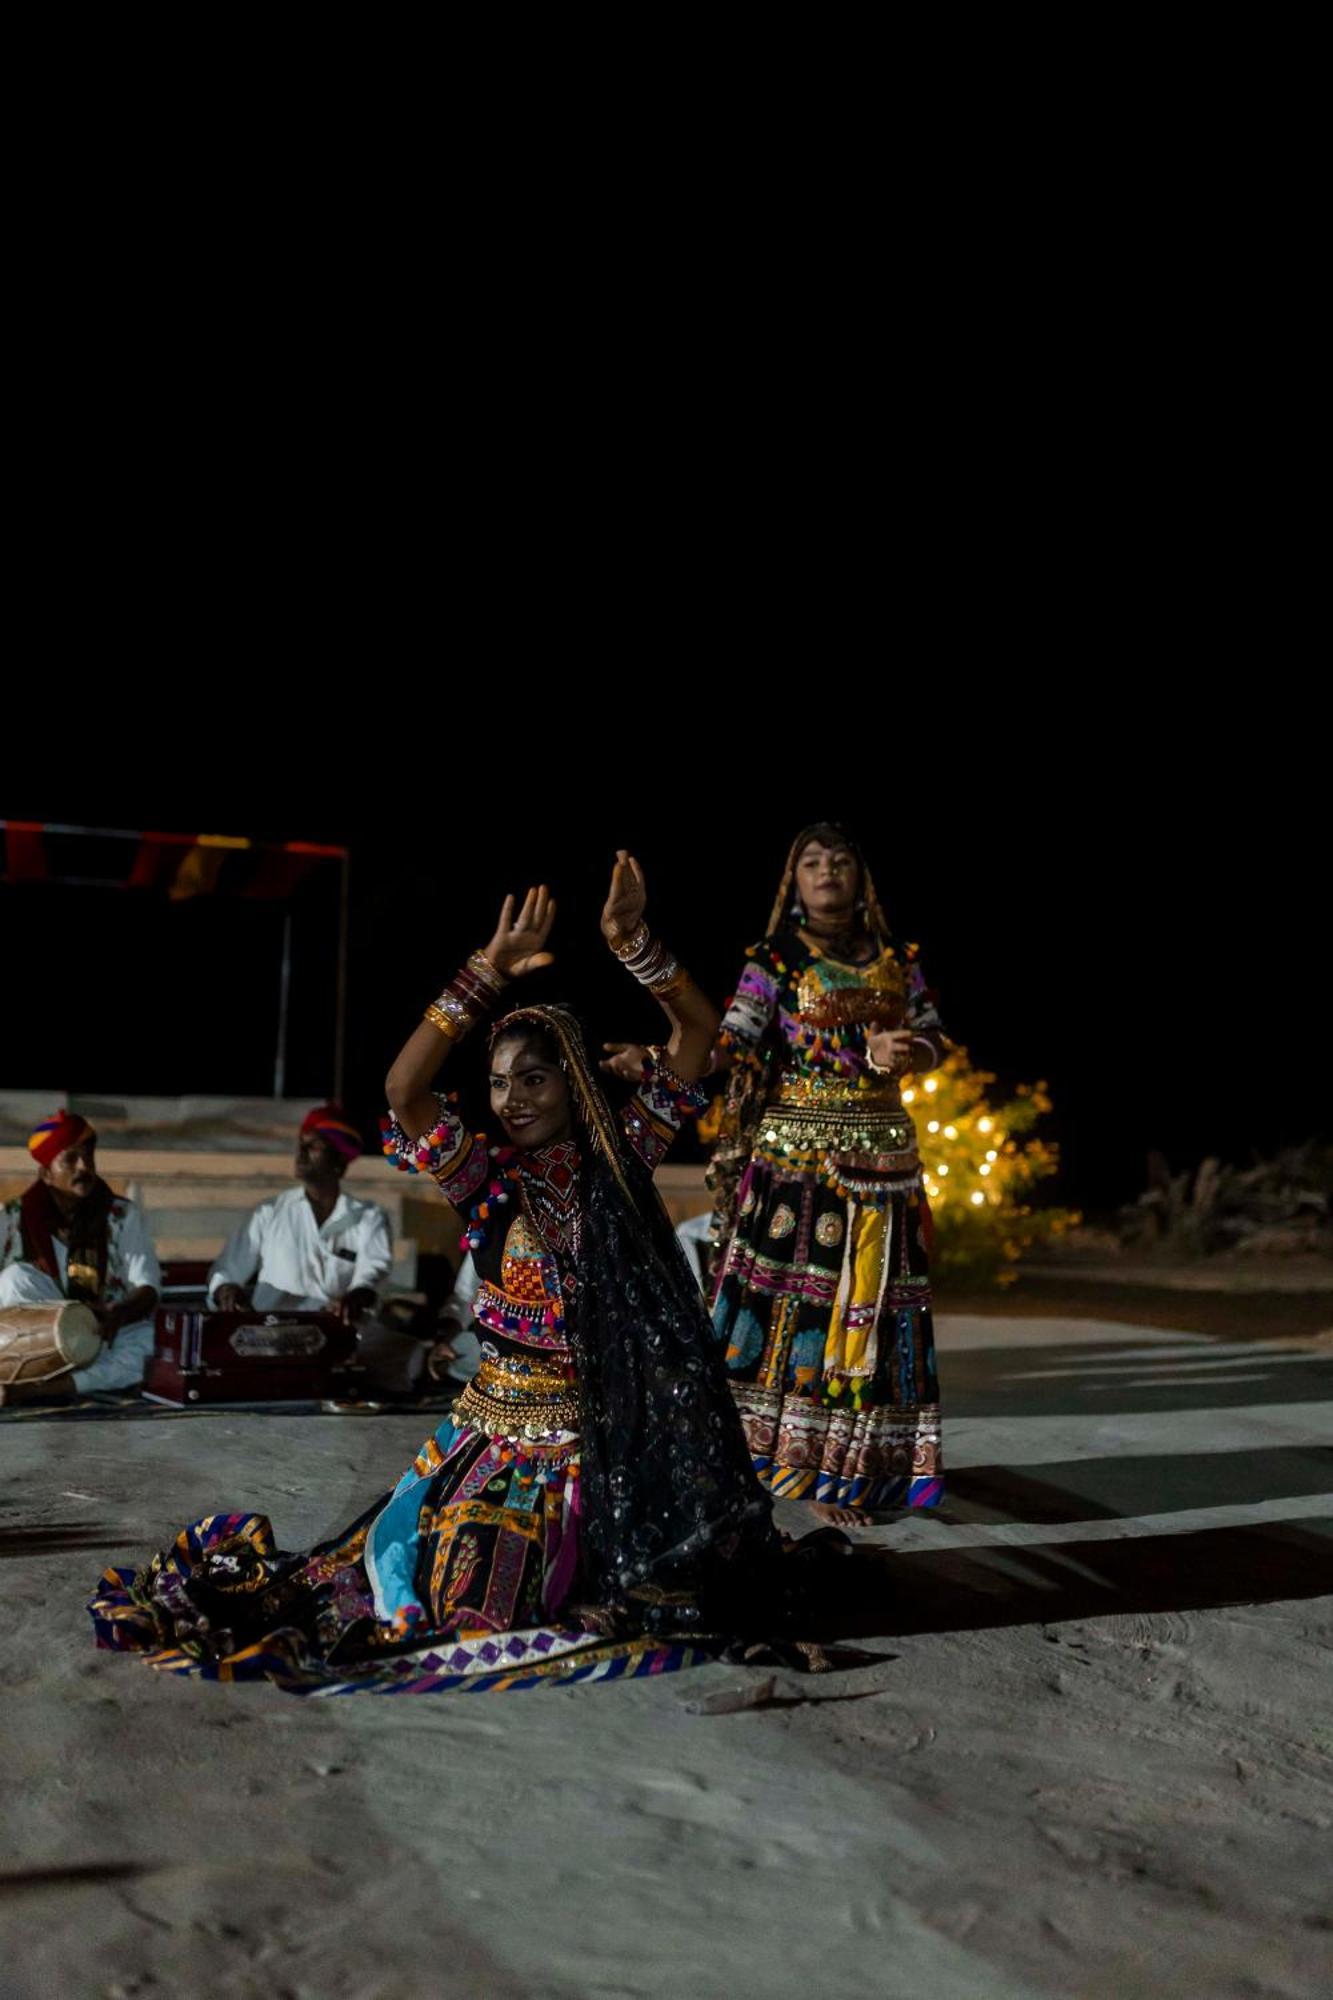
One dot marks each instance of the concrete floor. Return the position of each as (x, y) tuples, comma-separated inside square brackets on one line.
[(1095, 1759)]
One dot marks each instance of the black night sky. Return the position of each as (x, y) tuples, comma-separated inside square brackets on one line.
[(1125, 906)]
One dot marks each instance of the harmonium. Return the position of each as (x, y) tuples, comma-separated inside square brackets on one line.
[(200, 1356)]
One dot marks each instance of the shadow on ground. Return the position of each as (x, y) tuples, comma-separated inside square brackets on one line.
[(58, 1541), (1103, 1489), (21, 1881), (1234, 1315), (874, 1592), (1078, 1380)]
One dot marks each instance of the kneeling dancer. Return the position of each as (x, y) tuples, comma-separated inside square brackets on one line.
[(590, 1494)]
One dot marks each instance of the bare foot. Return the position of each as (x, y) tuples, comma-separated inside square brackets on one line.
[(836, 1517)]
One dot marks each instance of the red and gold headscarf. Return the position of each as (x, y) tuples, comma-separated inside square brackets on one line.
[(332, 1123), (56, 1134)]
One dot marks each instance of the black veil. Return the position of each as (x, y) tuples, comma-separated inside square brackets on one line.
[(666, 1477)]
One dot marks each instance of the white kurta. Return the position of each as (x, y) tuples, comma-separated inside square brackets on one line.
[(290, 1263), (131, 1261), (457, 1325)]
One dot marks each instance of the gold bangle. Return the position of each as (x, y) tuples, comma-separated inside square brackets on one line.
[(481, 968), (630, 947), (439, 1019)]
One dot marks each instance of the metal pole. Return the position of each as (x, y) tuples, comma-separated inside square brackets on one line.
[(284, 990), (340, 1013)]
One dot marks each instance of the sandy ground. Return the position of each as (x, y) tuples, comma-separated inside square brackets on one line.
[(1094, 1759)]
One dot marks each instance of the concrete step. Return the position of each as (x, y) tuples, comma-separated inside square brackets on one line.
[(194, 1198), (157, 1194), (172, 1243)]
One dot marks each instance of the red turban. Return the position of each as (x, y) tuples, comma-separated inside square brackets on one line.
[(56, 1134), (331, 1122)]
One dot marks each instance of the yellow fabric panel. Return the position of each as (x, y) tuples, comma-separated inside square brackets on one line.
[(851, 1352)]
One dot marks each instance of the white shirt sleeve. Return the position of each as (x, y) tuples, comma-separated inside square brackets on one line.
[(242, 1254), (374, 1251), (458, 1306), (138, 1257)]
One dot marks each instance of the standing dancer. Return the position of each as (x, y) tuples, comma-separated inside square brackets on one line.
[(822, 1292)]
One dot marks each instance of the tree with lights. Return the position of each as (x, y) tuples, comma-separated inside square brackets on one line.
[(979, 1164)]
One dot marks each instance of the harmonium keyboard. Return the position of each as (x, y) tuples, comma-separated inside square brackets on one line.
[(201, 1356)]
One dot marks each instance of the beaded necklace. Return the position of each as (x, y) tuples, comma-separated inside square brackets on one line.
[(550, 1182), (546, 1180)]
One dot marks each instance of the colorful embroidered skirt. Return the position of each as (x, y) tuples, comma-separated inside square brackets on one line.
[(824, 1305), (454, 1581)]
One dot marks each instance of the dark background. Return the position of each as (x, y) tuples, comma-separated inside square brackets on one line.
[(486, 558), (1115, 879)]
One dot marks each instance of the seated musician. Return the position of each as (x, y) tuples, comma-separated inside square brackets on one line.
[(314, 1248), (455, 1355), (69, 1237)]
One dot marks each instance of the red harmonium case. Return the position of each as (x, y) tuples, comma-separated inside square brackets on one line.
[(251, 1357)]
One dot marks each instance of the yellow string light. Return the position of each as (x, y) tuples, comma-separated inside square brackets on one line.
[(991, 1170)]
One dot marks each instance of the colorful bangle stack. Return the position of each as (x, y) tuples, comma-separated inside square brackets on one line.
[(469, 998), (651, 963), (658, 1071)]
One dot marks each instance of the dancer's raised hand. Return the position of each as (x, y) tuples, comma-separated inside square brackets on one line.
[(520, 940), (890, 1048), (625, 1060), (626, 900)]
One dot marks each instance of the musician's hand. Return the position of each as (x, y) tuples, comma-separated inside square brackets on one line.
[(439, 1359), (139, 1304), (230, 1299), (356, 1305), (108, 1324), (625, 1060)]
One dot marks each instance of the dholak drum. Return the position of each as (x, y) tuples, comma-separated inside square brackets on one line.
[(39, 1342)]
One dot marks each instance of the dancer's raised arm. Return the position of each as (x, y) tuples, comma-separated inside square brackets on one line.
[(692, 1015), (518, 946)]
